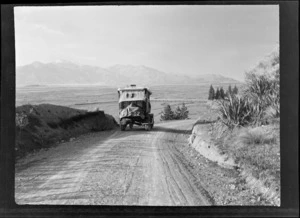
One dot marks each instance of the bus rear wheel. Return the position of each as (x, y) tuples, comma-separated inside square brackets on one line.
[(122, 127), (148, 127)]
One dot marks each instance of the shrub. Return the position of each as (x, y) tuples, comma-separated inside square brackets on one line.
[(167, 113), (259, 102), (177, 113), (263, 86), (180, 113), (263, 94)]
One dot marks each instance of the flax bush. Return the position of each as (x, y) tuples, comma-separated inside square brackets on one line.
[(259, 101), (234, 111)]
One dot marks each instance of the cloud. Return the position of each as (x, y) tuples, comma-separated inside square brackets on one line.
[(48, 30)]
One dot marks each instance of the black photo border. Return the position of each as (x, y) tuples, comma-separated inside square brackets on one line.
[(289, 146)]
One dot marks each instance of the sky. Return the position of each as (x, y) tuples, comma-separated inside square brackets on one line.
[(180, 39)]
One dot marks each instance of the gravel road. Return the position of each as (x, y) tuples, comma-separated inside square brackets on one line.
[(132, 167)]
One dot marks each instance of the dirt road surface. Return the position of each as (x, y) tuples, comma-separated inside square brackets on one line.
[(132, 167)]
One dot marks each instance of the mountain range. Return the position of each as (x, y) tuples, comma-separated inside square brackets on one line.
[(68, 73)]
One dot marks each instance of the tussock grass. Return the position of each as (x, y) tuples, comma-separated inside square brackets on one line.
[(256, 136), (257, 149)]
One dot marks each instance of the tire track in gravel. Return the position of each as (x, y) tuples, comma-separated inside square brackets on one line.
[(132, 167)]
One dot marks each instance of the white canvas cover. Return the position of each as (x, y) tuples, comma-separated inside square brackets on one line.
[(132, 110)]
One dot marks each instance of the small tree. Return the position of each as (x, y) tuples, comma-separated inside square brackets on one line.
[(177, 113), (235, 90), (217, 96), (167, 113), (184, 112), (222, 93), (226, 94), (211, 93), (229, 89)]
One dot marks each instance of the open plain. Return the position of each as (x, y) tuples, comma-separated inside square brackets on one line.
[(106, 98)]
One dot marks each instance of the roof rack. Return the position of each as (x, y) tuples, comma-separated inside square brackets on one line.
[(133, 87)]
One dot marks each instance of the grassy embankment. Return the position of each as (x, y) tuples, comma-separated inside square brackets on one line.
[(40, 126), (247, 128)]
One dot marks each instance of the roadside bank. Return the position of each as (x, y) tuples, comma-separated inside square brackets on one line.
[(263, 182), (41, 126)]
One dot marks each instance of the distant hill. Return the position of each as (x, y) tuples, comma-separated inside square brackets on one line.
[(214, 78), (60, 73), (68, 73), (146, 76)]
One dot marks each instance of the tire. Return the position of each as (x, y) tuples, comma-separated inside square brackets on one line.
[(152, 123), (122, 127), (147, 127)]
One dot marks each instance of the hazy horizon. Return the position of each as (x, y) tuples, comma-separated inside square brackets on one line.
[(184, 39)]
